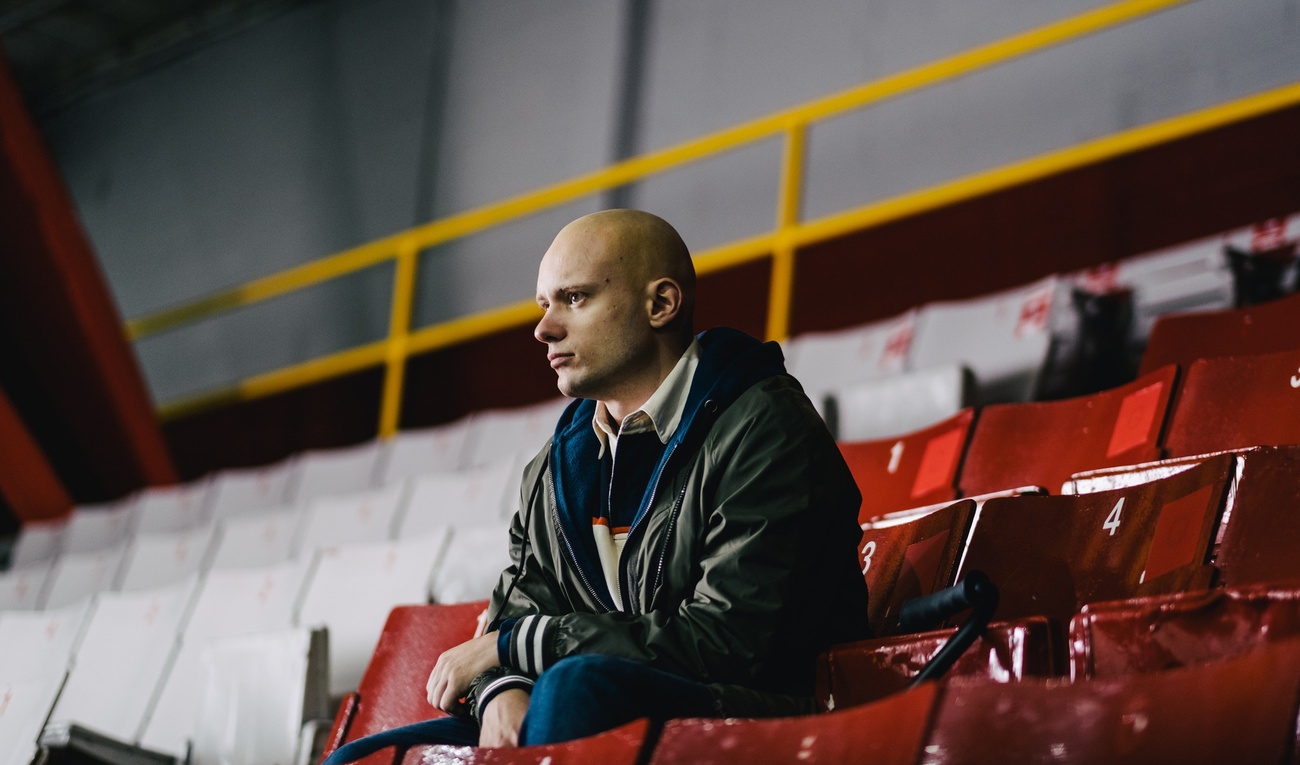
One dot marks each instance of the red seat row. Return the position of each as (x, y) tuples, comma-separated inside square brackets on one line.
[(1221, 403), (1234, 703)]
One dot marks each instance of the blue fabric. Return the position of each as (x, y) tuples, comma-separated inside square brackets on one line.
[(459, 731), (504, 630), (584, 695), (578, 697)]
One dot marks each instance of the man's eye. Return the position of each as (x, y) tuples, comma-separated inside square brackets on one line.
[(575, 298)]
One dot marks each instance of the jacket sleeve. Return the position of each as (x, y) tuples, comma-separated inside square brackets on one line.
[(772, 490)]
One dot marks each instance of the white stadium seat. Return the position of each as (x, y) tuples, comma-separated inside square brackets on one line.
[(236, 492), (482, 495), (352, 589), (497, 435), (475, 558), (365, 516), (324, 472), (158, 559), (891, 406), (1004, 338), (230, 602), (259, 539), (419, 452), (127, 643)]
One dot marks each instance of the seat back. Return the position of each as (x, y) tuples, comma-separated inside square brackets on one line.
[(1109, 640), (257, 692), (123, 655), (98, 527), (910, 558), (392, 689), (899, 403), (228, 603), (27, 704), (21, 589), (237, 492), (1261, 532), (160, 509), (498, 435), (469, 497), (161, 558), (888, 732), (325, 472), (1183, 338), (1050, 555), (39, 644), (38, 542), (1043, 444), (257, 539), (858, 673), (359, 516), (414, 453), (472, 564), (919, 468), (621, 746), (76, 576), (1264, 392), (824, 361), (352, 589), (1242, 710), (1003, 338)]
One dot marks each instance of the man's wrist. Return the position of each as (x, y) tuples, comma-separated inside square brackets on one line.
[(495, 687)]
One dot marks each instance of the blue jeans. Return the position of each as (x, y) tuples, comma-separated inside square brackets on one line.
[(578, 697)]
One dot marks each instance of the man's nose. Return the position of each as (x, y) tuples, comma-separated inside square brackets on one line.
[(548, 330)]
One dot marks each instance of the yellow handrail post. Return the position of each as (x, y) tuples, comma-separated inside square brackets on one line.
[(781, 288), (399, 332)]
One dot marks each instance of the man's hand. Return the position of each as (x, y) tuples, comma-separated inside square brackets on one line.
[(503, 717), (457, 668)]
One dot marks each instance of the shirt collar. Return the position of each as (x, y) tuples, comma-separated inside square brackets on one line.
[(662, 412)]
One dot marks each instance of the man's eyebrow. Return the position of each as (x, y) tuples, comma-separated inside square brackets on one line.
[(569, 288)]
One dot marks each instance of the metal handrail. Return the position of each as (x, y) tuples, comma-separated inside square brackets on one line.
[(780, 244)]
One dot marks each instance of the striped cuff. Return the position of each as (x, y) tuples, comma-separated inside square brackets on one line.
[(492, 689), (529, 647)]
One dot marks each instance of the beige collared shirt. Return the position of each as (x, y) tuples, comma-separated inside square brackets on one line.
[(662, 413)]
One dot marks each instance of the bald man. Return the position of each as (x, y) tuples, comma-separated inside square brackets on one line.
[(686, 542)]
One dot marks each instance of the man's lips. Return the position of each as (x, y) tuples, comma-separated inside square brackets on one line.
[(558, 359)]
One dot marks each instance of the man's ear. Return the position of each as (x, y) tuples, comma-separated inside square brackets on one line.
[(665, 302)]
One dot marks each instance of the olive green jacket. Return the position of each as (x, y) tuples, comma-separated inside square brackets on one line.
[(740, 569)]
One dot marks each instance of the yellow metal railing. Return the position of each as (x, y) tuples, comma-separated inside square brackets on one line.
[(780, 244)]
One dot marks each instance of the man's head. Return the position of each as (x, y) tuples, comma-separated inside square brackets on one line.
[(618, 291)]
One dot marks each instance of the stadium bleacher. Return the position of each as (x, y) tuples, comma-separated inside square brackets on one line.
[(1157, 563)]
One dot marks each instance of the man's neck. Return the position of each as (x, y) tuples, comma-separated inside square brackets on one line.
[(621, 406)]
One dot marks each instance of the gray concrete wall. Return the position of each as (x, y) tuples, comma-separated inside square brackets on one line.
[(346, 120)]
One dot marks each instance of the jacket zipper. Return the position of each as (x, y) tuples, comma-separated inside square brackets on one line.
[(573, 558), (668, 539), (624, 585)]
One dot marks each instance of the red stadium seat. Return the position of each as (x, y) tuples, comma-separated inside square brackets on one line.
[(392, 691), (1241, 710), (916, 469), (1261, 530), (1050, 555), (1237, 402), (621, 746), (1263, 328), (857, 673), (1109, 640), (884, 733), (1261, 535), (1042, 444), (913, 557)]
